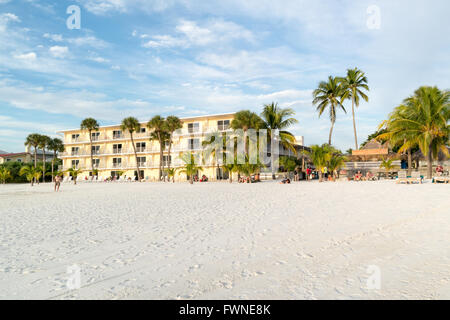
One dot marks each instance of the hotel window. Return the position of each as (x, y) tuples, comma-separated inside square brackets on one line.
[(193, 127), (167, 160), (141, 161), (95, 149), (75, 137), (117, 134), (75, 151), (117, 148), (75, 164), (95, 136), (223, 125), (143, 130), (96, 163), (140, 147), (19, 160), (117, 162), (193, 144)]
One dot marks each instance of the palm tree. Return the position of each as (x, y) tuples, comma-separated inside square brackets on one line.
[(171, 172), (158, 125), (90, 124), (329, 94), (33, 140), (336, 162), (132, 125), (354, 84), (245, 120), (56, 145), (230, 168), (172, 124), (44, 141), (190, 166), (423, 121), (387, 165), (213, 147), (5, 174), (31, 173), (74, 173), (396, 135), (320, 156), (275, 118)]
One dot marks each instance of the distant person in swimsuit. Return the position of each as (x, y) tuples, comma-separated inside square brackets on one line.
[(57, 183)]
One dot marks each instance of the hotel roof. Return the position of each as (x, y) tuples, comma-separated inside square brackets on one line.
[(182, 119)]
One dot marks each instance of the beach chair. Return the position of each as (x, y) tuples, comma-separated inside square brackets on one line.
[(402, 177), (415, 177), (441, 179)]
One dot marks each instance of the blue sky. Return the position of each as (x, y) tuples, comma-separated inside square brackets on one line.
[(141, 58)]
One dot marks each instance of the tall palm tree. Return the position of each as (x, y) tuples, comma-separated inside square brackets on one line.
[(172, 124), (90, 124), (354, 84), (391, 131), (423, 121), (158, 125), (319, 156), (329, 94), (214, 146), (43, 144), (190, 166), (32, 141), (245, 120), (56, 145), (132, 125), (276, 118)]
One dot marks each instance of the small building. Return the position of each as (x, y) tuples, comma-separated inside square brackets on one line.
[(25, 157)]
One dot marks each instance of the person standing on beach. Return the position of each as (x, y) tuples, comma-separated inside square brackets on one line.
[(57, 183)]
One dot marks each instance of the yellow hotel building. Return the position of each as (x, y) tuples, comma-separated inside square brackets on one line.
[(113, 150)]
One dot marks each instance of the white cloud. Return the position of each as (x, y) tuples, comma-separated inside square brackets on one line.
[(53, 37), (102, 7), (31, 56), (99, 59), (88, 41), (6, 18), (59, 52), (189, 33)]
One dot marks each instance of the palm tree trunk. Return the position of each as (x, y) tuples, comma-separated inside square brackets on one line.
[(331, 132), (409, 162), (430, 163), (272, 163), (160, 156), (43, 165), (92, 155), (135, 157), (35, 162), (354, 123)]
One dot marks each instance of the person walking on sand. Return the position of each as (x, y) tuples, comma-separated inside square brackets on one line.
[(57, 183)]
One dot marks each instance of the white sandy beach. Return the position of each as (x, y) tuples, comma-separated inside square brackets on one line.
[(222, 241)]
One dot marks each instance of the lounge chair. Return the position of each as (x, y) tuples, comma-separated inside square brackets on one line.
[(415, 177), (402, 177), (441, 179)]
